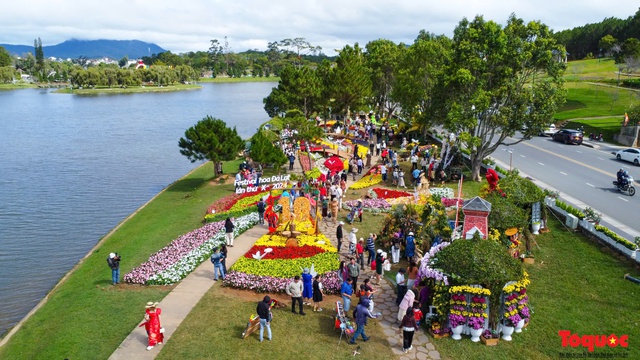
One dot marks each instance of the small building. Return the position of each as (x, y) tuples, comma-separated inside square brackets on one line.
[(476, 217)]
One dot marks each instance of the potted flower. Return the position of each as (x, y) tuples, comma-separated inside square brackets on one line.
[(476, 317), (438, 331), (511, 316), (490, 337), (535, 227), (592, 216), (457, 311)]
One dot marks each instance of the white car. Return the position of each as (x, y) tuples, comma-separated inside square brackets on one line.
[(549, 131), (631, 155)]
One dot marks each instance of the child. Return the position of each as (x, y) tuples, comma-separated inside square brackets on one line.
[(417, 313)]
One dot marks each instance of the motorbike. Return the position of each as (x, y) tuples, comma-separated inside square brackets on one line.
[(628, 188), (595, 137)]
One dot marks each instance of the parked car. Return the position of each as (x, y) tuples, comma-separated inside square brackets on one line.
[(568, 136), (549, 131), (630, 155)]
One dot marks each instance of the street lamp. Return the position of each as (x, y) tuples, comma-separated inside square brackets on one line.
[(510, 157)]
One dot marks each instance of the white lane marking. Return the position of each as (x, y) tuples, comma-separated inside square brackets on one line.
[(600, 158), (579, 152), (590, 185), (563, 173), (622, 199), (522, 156), (541, 163)]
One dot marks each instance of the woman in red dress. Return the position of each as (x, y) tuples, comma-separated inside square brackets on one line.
[(152, 324)]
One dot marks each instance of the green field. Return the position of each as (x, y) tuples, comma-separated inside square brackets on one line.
[(585, 100), (591, 70)]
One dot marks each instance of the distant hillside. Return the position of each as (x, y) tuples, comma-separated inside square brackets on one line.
[(115, 49)]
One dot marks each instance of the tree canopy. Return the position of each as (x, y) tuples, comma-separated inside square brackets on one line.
[(503, 84), (265, 152), (210, 139)]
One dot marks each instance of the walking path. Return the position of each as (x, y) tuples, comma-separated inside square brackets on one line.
[(177, 305)]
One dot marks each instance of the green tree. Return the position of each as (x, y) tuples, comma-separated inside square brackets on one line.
[(298, 88), (350, 81), (631, 48), (606, 44), (5, 57), (8, 74), (306, 129), (500, 82), (37, 44), (215, 57), (124, 61), (419, 77), (265, 152), (382, 58), (211, 139)]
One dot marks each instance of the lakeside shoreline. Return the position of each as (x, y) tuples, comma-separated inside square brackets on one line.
[(15, 328)]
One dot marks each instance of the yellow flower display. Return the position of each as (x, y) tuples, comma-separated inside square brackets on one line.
[(366, 181), (319, 240)]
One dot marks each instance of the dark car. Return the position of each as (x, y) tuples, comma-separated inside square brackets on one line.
[(568, 136)]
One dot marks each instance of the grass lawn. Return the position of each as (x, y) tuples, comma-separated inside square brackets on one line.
[(240, 79), (589, 100), (19, 85), (86, 317), (576, 285), (129, 90), (213, 331), (591, 70)]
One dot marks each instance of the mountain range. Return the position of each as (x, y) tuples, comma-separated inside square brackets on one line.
[(92, 49)]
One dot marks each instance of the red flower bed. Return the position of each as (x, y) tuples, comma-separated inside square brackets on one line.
[(304, 162), (224, 204), (285, 252), (390, 194)]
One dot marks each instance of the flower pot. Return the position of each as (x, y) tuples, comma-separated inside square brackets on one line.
[(519, 326), (535, 227), (529, 260), (438, 336), (506, 332), (456, 332), (489, 342), (475, 334)]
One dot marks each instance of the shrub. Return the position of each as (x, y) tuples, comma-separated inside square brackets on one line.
[(615, 237), (570, 209)]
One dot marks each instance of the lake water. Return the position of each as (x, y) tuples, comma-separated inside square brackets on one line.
[(73, 167)]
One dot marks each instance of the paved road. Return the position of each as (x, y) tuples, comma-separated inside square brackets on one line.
[(583, 176)]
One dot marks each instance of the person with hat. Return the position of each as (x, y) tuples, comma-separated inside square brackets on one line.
[(114, 263), (353, 240), (307, 284), (339, 235), (410, 249), (264, 312), (152, 324)]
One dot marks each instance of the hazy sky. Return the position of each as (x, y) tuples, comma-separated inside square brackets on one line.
[(189, 25)]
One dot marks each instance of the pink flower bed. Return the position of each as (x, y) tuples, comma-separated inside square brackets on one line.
[(370, 203), (239, 280), (172, 253), (447, 202)]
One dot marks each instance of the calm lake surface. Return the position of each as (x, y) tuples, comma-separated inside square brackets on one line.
[(73, 167)]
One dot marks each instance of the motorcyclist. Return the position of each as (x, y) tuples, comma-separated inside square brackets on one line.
[(623, 177)]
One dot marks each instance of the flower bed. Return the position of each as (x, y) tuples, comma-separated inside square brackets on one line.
[(275, 270), (374, 205), (366, 181), (180, 257), (390, 194)]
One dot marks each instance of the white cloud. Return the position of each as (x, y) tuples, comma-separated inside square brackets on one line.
[(189, 25)]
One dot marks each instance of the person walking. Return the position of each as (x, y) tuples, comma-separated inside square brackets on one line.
[(401, 179), (360, 253), (379, 262), (339, 235), (334, 209), (406, 304), (317, 293), (294, 289), (408, 326), (216, 259), (261, 207), (114, 263), (353, 240), (361, 314), (354, 272), (307, 284), (228, 229), (360, 165), (346, 291), (383, 171), (412, 274), (401, 282), (371, 249), (410, 249), (292, 158), (151, 324), (224, 251), (264, 312)]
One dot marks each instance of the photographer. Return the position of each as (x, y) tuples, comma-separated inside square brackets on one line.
[(114, 263)]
